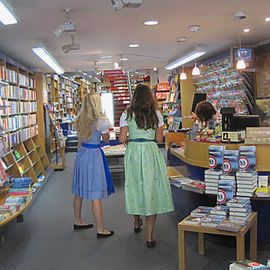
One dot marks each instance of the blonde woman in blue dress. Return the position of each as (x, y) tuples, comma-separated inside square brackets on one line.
[(147, 187), (91, 177)]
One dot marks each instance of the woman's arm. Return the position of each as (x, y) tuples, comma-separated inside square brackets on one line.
[(123, 134), (159, 134), (106, 137)]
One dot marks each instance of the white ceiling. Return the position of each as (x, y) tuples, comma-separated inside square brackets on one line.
[(102, 31)]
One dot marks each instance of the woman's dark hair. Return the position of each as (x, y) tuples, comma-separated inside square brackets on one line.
[(143, 108), (205, 111)]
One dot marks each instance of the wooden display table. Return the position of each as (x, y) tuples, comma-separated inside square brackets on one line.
[(201, 230)]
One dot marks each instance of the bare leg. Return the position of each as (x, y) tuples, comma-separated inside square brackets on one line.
[(77, 207), (150, 225), (98, 216)]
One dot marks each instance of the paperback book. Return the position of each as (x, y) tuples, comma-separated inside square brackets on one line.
[(225, 191), (216, 157), (247, 158), (230, 161)]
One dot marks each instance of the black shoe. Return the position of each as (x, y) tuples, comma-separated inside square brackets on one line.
[(137, 229), (150, 244), (102, 235), (82, 227)]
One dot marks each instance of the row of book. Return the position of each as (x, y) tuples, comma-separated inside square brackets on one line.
[(19, 194), (15, 92), (230, 217)]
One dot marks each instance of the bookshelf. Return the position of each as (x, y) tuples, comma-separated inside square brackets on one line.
[(162, 93), (225, 86), (26, 159), (18, 97)]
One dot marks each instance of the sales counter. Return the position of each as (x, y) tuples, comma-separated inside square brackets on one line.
[(192, 157)]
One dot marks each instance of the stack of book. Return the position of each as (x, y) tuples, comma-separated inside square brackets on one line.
[(220, 210), (239, 210), (6, 211), (201, 211), (212, 220), (246, 183), (211, 178)]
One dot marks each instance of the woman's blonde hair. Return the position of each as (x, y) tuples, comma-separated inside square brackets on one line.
[(91, 111)]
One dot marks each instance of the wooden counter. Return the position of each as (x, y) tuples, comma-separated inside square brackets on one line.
[(196, 154)]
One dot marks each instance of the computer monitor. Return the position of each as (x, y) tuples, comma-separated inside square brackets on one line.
[(197, 97), (241, 121)]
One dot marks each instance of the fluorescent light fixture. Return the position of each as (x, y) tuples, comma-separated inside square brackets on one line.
[(267, 19), (6, 15), (133, 45), (185, 59), (246, 30), (42, 53), (105, 57), (123, 59), (151, 22)]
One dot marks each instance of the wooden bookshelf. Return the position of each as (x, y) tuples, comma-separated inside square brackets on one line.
[(26, 159)]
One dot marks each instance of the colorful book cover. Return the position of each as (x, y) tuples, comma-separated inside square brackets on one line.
[(247, 158), (230, 161), (216, 157), (225, 191)]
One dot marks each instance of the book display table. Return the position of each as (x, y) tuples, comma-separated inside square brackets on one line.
[(201, 230)]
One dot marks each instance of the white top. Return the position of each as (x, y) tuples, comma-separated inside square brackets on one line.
[(103, 125), (123, 121)]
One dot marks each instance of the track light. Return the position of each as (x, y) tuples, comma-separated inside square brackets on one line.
[(43, 54)]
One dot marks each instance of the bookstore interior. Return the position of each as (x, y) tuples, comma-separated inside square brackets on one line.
[(219, 169)]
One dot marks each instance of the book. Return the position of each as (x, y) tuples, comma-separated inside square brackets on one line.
[(212, 172), (194, 185), (216, 157), (211, 220), (17, 155), (227, 225), (240, 214), (247, 158), (242, 173), (220, 210), (225, 191), (238, 202), (201, 211), (193, 221), (230, 161), (240, 209), (247, 265), (238, 218)]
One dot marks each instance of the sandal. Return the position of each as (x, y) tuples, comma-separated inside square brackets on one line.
[(137, 228)]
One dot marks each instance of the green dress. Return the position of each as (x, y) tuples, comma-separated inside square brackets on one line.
[(147, 187)]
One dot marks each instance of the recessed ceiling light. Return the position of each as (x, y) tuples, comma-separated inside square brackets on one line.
[(267, 19), (246, 30), (133, 45), (123, 59), (151, 22)]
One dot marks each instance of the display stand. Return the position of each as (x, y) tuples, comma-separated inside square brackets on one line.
[(201, 230)]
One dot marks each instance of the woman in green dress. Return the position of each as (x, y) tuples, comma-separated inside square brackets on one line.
[(147, 187)]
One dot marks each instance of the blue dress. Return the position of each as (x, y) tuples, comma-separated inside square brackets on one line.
[(89, 177)]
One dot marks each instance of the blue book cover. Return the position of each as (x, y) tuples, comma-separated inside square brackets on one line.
[(230, 161), (215, 157), (226, 190), (247, 158)]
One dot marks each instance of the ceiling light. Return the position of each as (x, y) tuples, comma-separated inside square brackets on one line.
[(151, 22), (123, 59), (116, 65), (196, 71), (241, 64), (246, 30), (183, 76), (105, 57), (186, 58), (267, 19), (6, 13), (133, 45), (42, 53)]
